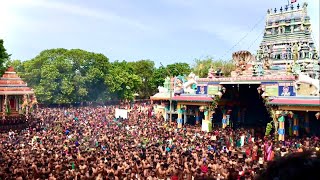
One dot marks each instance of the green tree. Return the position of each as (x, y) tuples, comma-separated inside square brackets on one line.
[(179, 69), (91, 69), (4, 57), (17, 64), (158, 77), (144, 69), (268, 128), (66, 76), (202, 66), (121, 81)]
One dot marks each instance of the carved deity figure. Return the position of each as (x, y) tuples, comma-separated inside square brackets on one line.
[(302, 27), (258, 70), (259, 55), (242, 60), (264, 49), (298, 28), (309, 29), (310, 52), (305, 50), (266, 52), (191, 85), (305, 5), (281, 29), (302, 78), (178, 89), (315, 55), (295, 52), (268, 32), (211, 72), (266, 64)]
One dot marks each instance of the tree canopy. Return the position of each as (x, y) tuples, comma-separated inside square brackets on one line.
[(202, 66), (65, 76), (4, 57), (61, 76)]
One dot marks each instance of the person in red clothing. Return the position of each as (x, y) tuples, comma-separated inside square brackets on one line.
[(254, 155), (174, 177), (248, 151), (204, 168), (265, 150)]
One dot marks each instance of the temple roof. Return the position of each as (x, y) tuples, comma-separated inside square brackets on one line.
[(193, 98), (296, 101), (161, 96), (250, 78), (12, 84)]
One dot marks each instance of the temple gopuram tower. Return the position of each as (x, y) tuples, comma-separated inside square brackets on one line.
[(287, 38)]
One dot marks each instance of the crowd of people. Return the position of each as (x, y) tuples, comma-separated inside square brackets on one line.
[(91, 143)]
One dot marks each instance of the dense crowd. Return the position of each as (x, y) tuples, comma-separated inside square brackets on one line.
[(91, 143)]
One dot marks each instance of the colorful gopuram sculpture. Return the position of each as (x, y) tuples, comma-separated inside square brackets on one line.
[(243, 61), (288, 37)]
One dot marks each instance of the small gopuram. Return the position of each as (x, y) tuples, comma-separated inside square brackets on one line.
[(16, 98)]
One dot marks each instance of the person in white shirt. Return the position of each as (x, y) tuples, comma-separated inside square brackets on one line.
[(11, 134)]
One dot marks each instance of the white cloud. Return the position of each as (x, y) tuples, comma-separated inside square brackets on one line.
[(80, 11), (6, 18)]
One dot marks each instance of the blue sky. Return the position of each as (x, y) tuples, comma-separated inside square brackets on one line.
[(164, 31)]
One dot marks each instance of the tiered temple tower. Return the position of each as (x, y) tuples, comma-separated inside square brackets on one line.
[(287, 37), (15, 95)]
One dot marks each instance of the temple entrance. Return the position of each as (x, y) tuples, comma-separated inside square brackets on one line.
[(245, 106), (12, 103), (314, 124), (192, 113)]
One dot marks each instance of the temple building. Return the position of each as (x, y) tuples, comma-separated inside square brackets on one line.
[(16, 98), (264, 88)]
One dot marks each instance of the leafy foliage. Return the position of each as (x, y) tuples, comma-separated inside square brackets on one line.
[(65, 76), (177, 69), (202, 66), (17, 64), (61, 76), (144, 69), (215, 102), (268, 129), (158, 77), (121, 81), (4, 57)]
